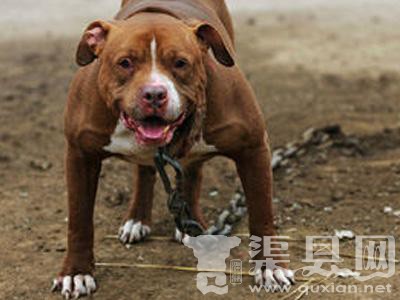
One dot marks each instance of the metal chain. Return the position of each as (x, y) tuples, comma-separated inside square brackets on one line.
[(237, 209)]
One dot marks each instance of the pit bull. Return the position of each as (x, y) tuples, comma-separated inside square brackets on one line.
[(162, 73)]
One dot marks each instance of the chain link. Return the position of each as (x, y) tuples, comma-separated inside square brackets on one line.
[(232, 215)]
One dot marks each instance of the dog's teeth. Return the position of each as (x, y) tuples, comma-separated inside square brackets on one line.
[(167, 128)]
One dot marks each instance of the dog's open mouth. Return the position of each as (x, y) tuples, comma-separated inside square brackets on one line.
[(152, 130)]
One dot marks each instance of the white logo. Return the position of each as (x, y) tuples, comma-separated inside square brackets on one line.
[(375, 253), (211, 252)]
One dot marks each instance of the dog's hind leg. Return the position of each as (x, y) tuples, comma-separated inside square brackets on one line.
[(138, 217)]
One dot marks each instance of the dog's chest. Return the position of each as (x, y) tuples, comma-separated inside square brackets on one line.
[(123, 143)]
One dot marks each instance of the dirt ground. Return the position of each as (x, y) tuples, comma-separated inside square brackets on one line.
[(312, 64)]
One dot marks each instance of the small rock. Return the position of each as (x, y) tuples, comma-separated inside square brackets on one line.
[(328, 209), (40, 165), (348, 274), (295, 206), (344, 234), (23, 194), (387, 210), (213, 193), (307, 202), (396, 213), (308, 135)]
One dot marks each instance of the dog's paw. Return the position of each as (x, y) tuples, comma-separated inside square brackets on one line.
[(179, 236), (278, 280), (74, 287), (133, 232)]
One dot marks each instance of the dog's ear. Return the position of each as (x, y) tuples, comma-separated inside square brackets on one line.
[(92, 42), (221, 47), (124, 2)]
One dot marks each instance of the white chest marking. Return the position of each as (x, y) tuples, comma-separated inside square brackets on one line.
[(123, 142)]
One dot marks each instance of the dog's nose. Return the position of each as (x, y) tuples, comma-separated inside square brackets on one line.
[(155, 95)]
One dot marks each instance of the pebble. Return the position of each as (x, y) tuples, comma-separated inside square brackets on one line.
[(308, 135), (396, 213), (295, 206), (387, 210), (40, 165), (23, 194), (344, 234), (276, 200), (213, 193), (348, 274)]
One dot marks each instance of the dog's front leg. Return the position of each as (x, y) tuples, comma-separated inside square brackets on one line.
[(137, 221), (254, 168), (82, 173)]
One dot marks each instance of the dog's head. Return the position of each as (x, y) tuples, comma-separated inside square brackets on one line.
[(152, 70)]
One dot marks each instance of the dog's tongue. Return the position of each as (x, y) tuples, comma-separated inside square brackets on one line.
[(148, 134), (152, 132)]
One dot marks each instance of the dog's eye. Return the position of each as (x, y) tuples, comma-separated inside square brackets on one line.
[(180, 63), (125, 63)]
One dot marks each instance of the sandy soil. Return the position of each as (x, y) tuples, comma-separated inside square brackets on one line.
[(312, 63)]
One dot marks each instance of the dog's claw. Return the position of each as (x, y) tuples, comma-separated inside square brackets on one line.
[(55, 285), (90, 284), (290, 276), (276, 280), (133, 232), (74, 287), (79, 288), (66, 287)]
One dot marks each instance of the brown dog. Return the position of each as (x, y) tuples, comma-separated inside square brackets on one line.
[(148, 80)]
